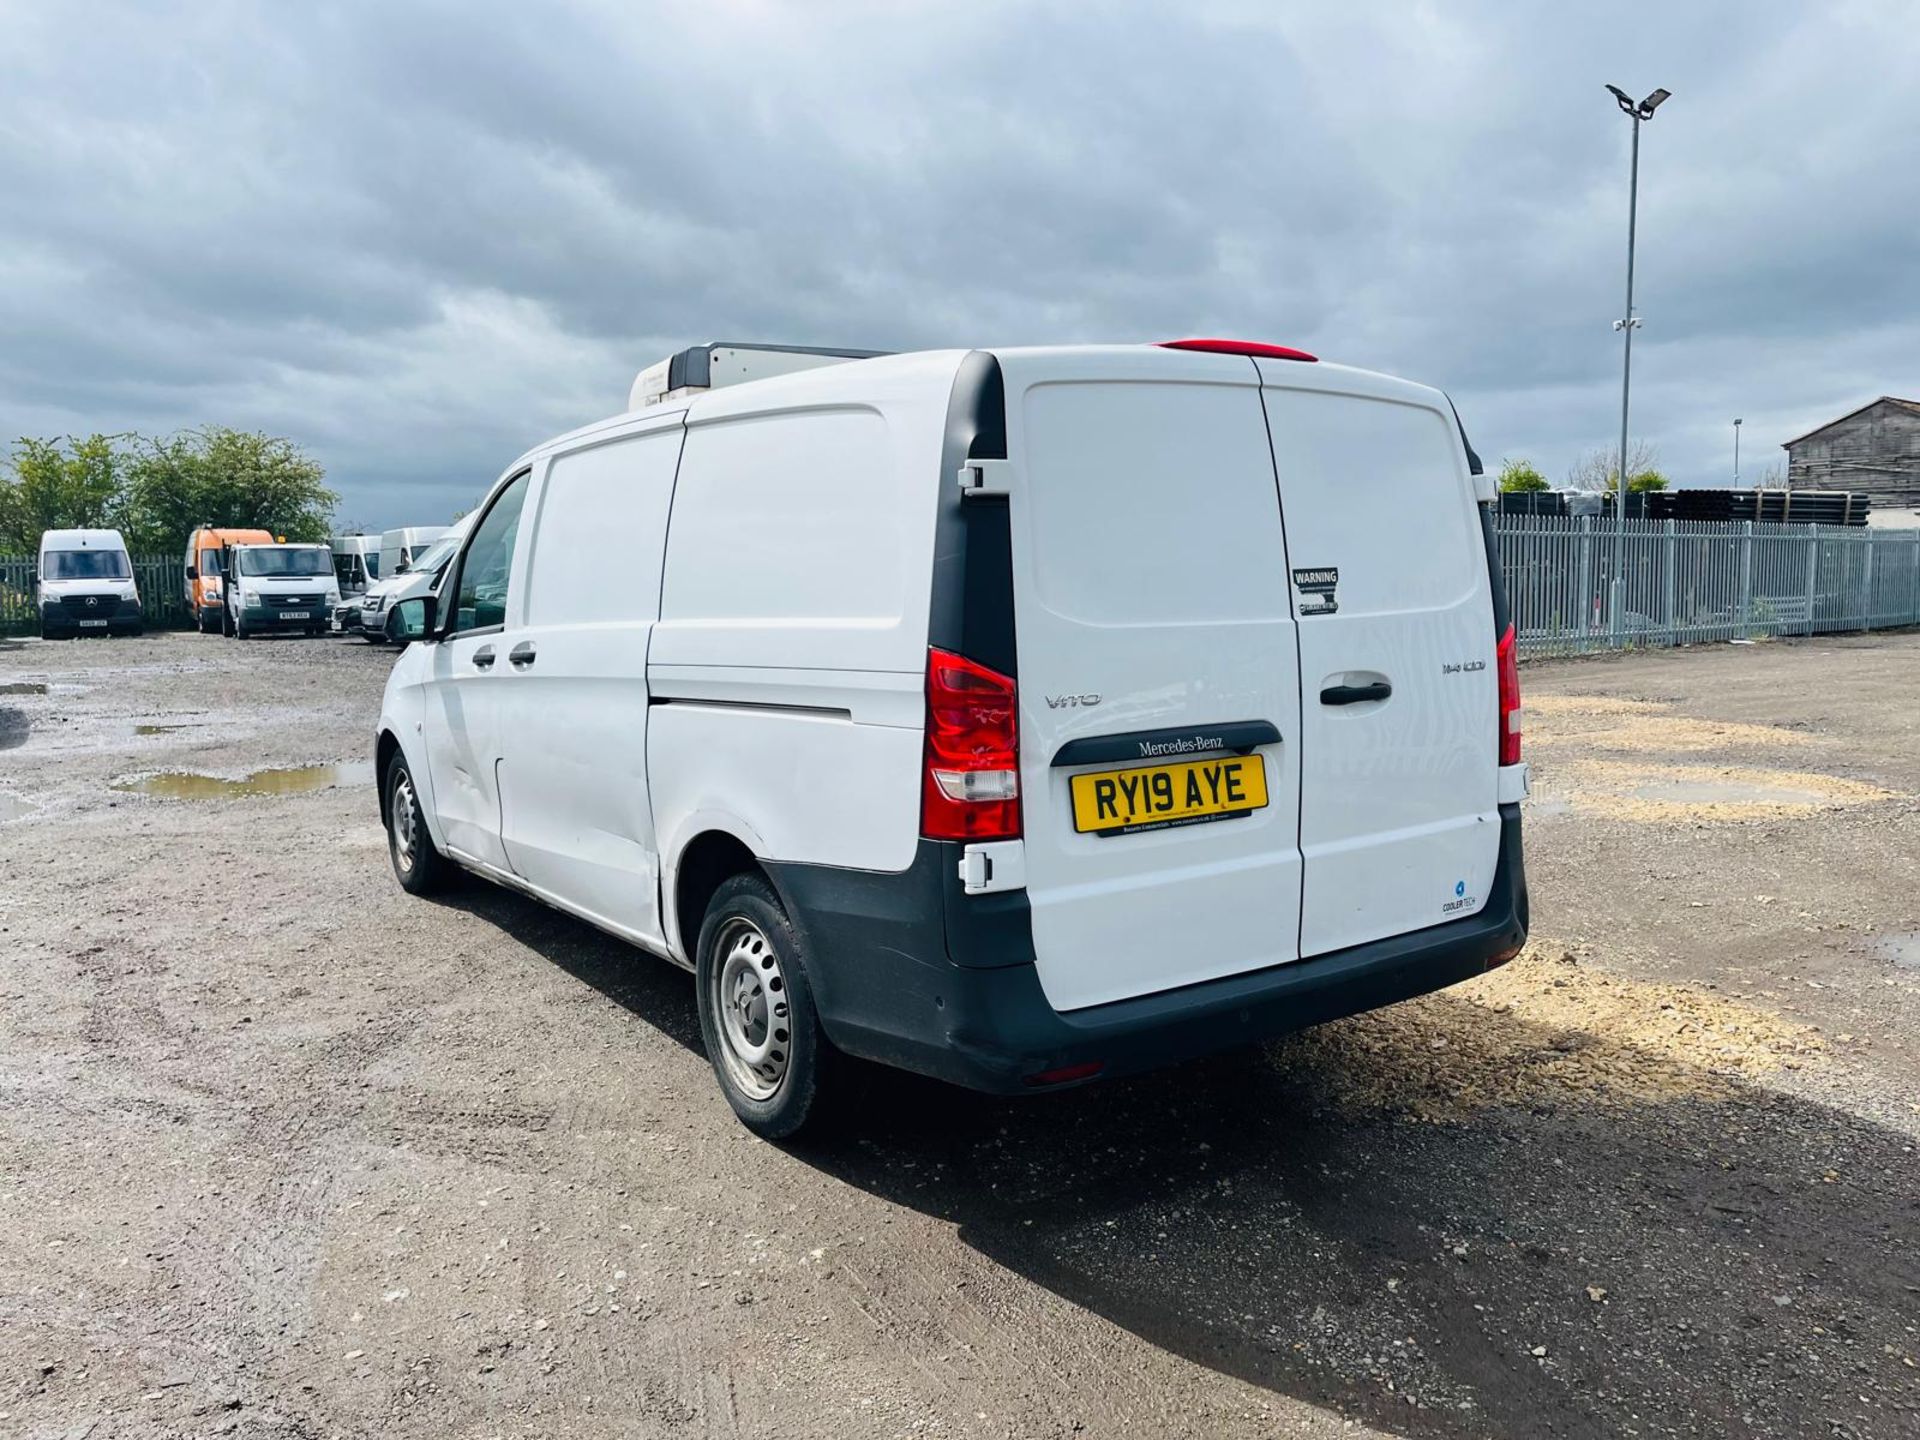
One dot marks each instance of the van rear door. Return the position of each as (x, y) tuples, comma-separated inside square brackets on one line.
[(1159, 690), (1399, 815)]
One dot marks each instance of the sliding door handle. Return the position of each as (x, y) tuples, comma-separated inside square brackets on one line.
[(521, 656), (1355, 694)]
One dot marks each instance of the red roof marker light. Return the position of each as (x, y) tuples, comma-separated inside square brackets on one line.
[(1239, 347)]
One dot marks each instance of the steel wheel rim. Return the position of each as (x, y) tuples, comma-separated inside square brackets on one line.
[(751, 1009), (401, 810)]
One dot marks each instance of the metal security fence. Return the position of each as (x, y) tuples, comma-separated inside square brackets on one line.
[(163, 592), (1689, 581)]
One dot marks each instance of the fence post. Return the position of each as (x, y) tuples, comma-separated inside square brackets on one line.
[(1586, 581), (1913, 604), (1669, 565), (1866, 583), (1813, 572), (1746, 575)]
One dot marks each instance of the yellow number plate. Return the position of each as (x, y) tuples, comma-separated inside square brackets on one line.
[(1153, 797)]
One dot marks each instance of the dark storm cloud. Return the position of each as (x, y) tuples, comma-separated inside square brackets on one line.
[(421, 237)]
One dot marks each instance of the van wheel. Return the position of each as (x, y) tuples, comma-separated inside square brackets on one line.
[(756, 1009), (419, 867)]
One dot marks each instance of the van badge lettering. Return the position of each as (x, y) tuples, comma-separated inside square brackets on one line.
[(1072, 702), (1317, 584), (1183, 745)]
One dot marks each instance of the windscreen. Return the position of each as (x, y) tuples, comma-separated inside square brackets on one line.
[(87, 565), (270, 561), (435, 555)]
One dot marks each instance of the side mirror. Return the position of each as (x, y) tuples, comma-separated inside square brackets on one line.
[(400, 567), (193, 572), (411, 619)]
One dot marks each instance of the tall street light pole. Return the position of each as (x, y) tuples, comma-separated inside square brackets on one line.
[(1736, 452), (1636, 111)]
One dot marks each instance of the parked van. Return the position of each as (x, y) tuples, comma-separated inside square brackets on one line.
[(356, 562), (204, 562), (84, 585), (398, 548), (1017, 717), (368, 613), (279, 588)]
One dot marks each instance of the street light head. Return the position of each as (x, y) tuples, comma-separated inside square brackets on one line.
[(1653, 102), (1622, 99)]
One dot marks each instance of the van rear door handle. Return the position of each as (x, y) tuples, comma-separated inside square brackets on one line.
[(1355, 694), (521, 656), (483, 657)]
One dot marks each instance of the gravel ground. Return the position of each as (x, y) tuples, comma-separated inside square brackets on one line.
[(283, 1152)]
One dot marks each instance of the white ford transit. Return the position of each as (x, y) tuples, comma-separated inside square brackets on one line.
[(1018, 717)]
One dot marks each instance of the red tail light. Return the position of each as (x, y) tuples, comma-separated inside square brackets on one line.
[(971, 789), (1507, 657)]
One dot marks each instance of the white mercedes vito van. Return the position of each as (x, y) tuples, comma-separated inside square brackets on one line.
[(1018, 717)]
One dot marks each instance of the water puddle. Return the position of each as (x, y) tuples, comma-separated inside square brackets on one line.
[(1903, 950), (1726, 792), (157, 729), (299, 780), (23, 687), (12, 807)]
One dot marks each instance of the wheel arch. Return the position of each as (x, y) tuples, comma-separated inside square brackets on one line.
[(709, 858)]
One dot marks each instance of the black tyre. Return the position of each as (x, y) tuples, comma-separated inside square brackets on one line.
[(226, 621), (756, 1010), (204, 622), (419, 867)]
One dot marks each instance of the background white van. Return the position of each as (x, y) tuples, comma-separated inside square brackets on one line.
[(278, 589), (400, 547), (1017, 717), (84, 585)]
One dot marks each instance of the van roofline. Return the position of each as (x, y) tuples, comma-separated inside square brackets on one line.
[(747, 396)]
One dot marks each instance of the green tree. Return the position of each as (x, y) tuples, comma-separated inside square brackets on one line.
[(225, 477), (60, 483), (1521, 475)]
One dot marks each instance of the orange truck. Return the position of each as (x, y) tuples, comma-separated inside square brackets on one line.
[(203, 570)]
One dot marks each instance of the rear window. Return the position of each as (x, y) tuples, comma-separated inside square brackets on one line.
[(87, 565), (1153, 503)]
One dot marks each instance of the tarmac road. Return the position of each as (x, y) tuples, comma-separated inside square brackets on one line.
[(284, 1152)]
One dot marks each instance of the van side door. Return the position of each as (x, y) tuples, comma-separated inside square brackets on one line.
[(575, 815), (462, 721), (1399, 811)]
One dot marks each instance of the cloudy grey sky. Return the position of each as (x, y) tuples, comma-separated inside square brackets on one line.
[(420, 237)]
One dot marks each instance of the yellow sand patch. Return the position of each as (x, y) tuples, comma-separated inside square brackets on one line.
[(1656, 793), (1546, 1030), (1606, 723)]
